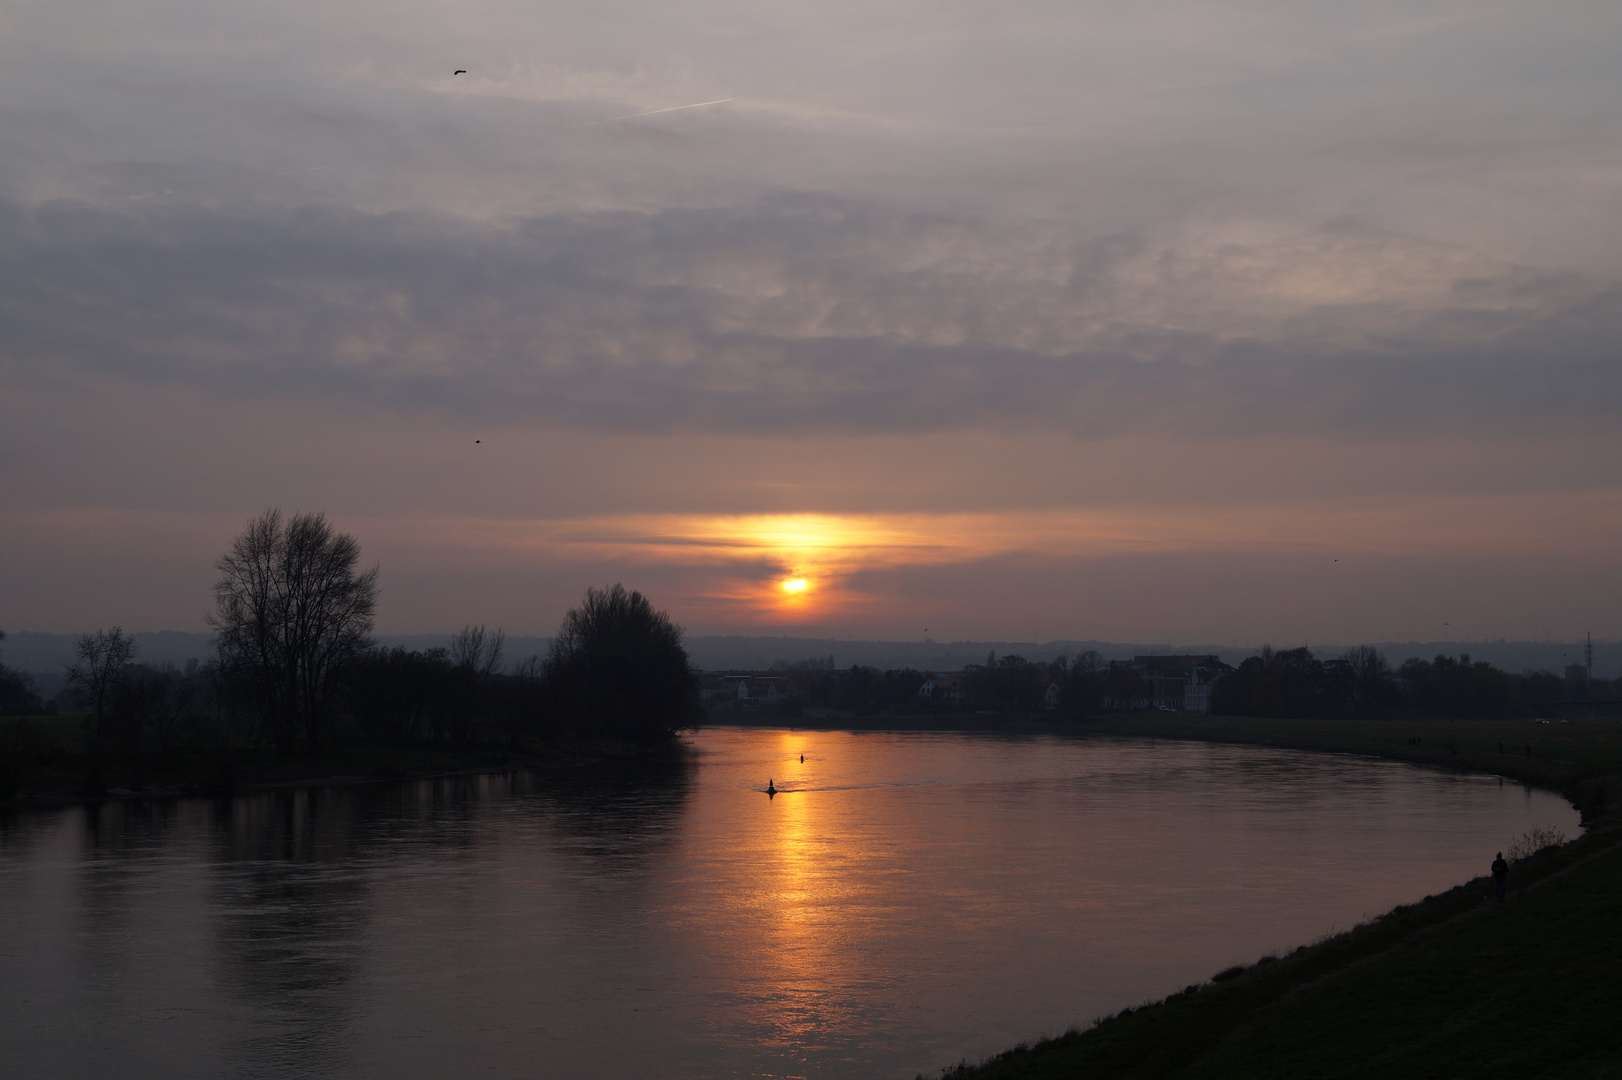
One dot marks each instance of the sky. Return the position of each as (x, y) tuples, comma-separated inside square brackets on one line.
[(1168, 321)]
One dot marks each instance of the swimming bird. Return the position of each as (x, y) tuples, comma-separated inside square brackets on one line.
[(769, 789)]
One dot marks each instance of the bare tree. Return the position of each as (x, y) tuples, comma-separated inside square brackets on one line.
[(475, 656), (478, 649), (17, 696), (1373, 689), (103, 659), (290, 613)]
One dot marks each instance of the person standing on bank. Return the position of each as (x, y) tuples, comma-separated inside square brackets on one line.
[(1500, 871)]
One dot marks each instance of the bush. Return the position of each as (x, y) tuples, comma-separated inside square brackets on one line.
[(1534, 841)]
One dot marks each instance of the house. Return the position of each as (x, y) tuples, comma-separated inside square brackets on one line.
[(755, 690), (745, 689), (942, 689), (1168, 683)]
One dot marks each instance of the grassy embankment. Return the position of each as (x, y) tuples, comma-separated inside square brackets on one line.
[(43, 762), (1454, 985)]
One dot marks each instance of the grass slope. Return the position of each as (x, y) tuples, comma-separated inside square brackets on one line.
[(1456, 985), (1525, 989)]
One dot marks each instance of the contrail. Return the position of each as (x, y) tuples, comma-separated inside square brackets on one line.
[(653, 112)]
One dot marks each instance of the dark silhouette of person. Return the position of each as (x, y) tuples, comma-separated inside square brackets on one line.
[(1500, 872), (802, 759)]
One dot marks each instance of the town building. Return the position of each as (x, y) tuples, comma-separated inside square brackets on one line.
[(1168, 683)]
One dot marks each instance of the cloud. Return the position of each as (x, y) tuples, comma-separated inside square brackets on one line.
[(802, 314), (1227, 276)]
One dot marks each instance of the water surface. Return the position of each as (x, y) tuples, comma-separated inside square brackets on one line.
[(905, 901)]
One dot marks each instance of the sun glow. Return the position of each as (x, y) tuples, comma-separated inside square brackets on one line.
[(833, 569)]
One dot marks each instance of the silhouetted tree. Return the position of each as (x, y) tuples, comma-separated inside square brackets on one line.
[(1457, 687), (398, 695), (617, 667), (1542, 686), (156, 709), (475, 656), (17, 696), (1011, 683), (522, 701), (96, 676), (1291, 683), (1082, 688), (291, 613), (1124, 686), (1371, 688), (865, 690), (1287, 683)]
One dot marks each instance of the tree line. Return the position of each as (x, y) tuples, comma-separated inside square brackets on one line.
[(1287, 683), (1293, 683), (1002, 684), (295, 668)]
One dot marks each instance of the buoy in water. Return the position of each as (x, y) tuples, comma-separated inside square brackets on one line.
[(770, 791)]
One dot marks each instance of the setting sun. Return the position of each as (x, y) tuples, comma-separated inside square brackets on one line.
[(796, 585)]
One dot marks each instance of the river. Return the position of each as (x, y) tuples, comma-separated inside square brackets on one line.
[(904, 901)]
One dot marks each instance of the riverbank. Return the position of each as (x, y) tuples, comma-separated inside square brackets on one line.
[(44, 765), (1455, 984)]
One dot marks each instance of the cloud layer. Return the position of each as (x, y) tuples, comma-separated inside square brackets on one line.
[(1243, 282), (803, 314)]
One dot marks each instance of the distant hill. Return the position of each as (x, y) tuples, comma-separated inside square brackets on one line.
[(44, 655)]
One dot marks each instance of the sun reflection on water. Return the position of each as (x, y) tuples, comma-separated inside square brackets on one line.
[(805, 928)]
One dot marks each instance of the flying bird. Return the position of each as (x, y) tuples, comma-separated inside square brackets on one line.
[(460, 71)]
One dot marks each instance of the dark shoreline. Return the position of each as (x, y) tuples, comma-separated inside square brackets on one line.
[(246, 772)]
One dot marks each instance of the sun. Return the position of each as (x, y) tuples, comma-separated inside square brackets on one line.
[(796, 585)]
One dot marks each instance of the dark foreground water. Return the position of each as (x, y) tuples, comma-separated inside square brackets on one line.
[(905, 901)]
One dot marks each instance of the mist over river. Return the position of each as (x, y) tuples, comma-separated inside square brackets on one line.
[(904, 901)]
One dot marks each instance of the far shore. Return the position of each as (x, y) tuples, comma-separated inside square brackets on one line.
[(243, 770)]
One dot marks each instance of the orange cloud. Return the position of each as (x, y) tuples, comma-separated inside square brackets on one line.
[(795, 568)]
